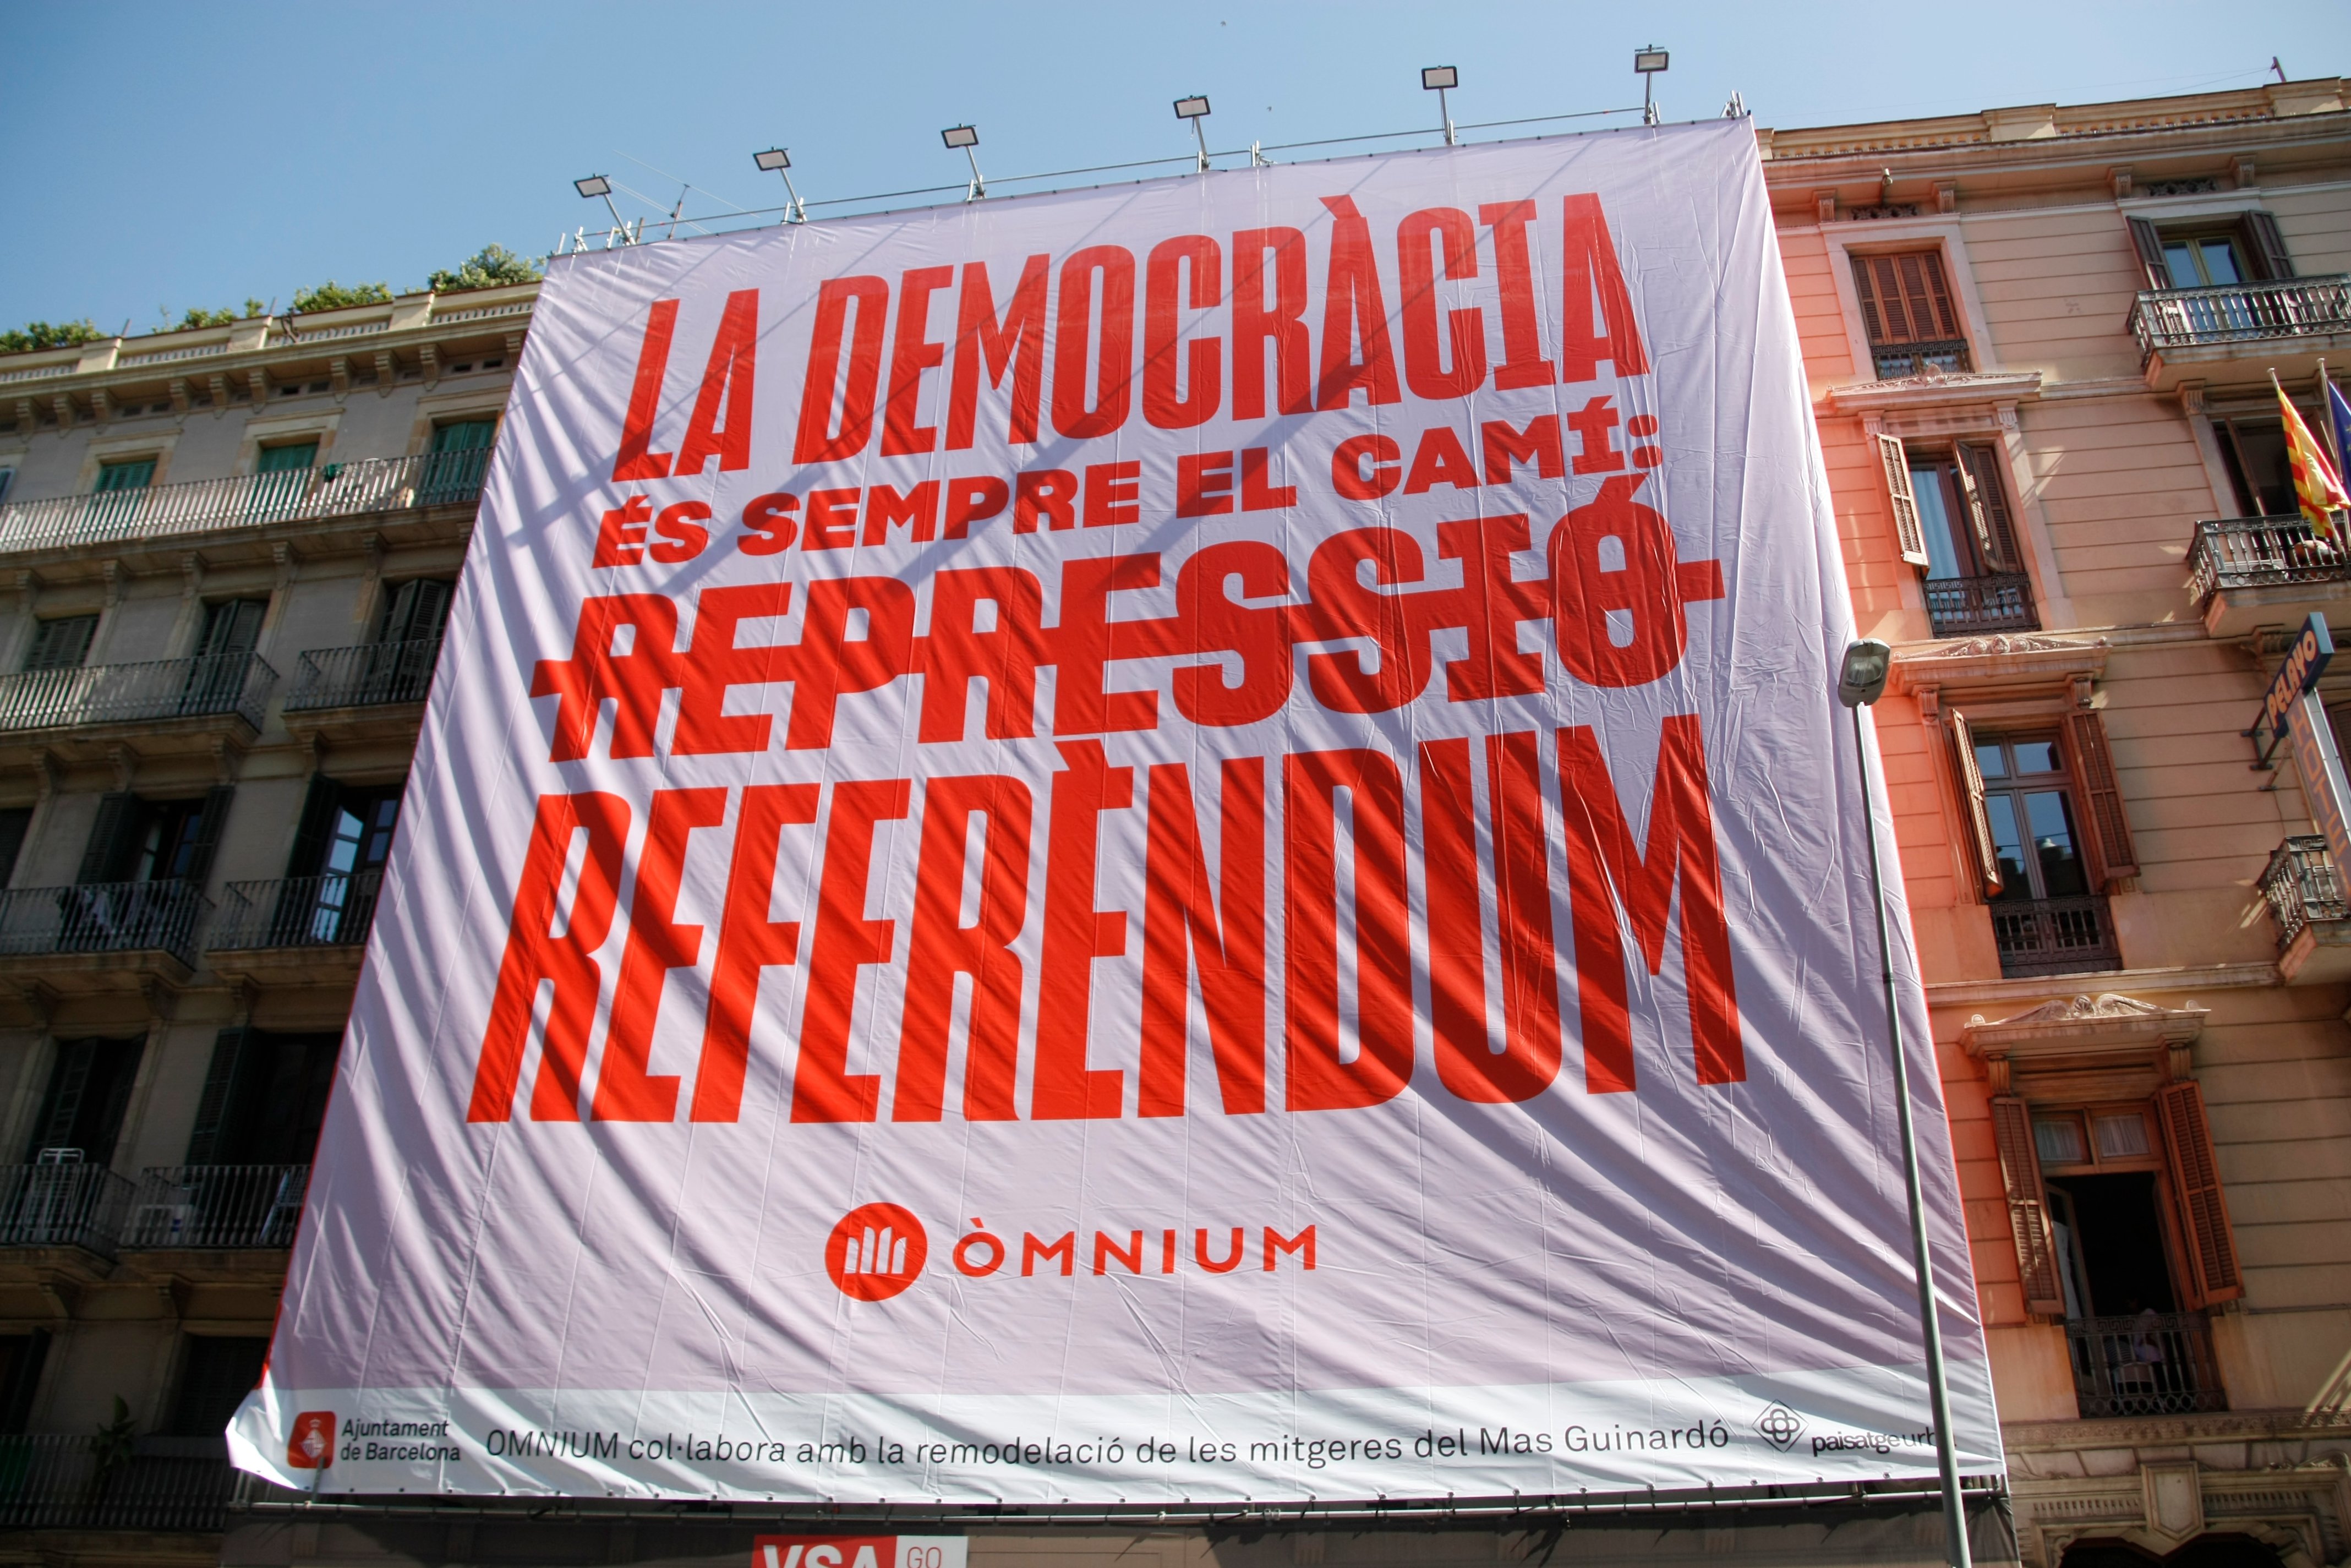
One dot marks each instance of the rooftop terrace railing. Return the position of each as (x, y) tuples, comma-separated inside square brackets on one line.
[(202, 506)]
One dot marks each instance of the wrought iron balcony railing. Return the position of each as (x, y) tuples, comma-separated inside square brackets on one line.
[(296, 495), (369, 675), (1902, 360), (237, 684), (331, 910), (70, 1205), (216, 1207), (103, 918), (2055, 936), (2153, 1364), (2260, 552), (2302, 887), (78, 1482), (1970, 606), (2241, 313)]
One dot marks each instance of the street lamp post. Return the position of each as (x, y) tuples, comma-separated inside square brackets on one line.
[(1860, 683)]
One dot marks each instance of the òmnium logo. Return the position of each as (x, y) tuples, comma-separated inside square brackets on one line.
[(1779, 1427), (875, 1251)]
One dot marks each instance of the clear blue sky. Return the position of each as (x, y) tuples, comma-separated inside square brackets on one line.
[(177, 156)]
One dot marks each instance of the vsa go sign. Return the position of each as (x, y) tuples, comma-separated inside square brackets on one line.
[(858, 1552)]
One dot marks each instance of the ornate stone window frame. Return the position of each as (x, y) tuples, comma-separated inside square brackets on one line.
[(2087, 1047)]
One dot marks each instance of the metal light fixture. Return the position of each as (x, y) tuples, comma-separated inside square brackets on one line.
[(1649, 61), (595, 185), (1195, 109), (1440, 80), (1860, 681), (778, 161), (965, 136)]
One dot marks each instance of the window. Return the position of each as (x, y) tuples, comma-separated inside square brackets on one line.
[(414, 611), (2050, 838), (2120, 1231), (217, 1372), (89, 1090), (2209, 254), (292, 458), (2252, 449), (60, 643), (231, 626), (1906, 307), (341, 846), (136, 474), (460, 456), (14, 823), (21, 1358), (1951, 509), (7, 476), (2028, 803), (264, 1100), (135, 840)]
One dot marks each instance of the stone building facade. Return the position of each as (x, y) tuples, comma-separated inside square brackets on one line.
[(2038, 342)]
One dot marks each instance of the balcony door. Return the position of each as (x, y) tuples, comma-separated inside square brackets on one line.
[(2028, 798), (81, 1111), (216, 677), (340, 847), (1975, 577), (408, 641), (281, 478), (460, 456), (115, 497)]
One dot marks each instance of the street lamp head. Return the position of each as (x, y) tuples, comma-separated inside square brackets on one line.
[(594, 186), (1433, 78), (1861, 680), (1193, 107), (960, 136), (1650, 60), (772, 160)]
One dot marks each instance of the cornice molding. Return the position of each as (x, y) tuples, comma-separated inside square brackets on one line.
[(2085, 1033), (2023, 658), (2185, 978), (1936, 389)]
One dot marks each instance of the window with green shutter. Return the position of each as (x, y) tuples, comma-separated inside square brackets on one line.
[(460, 456), (60, 643), (135, 475), (288, 458), (464, 435)]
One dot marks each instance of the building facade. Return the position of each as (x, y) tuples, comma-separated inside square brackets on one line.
[(2038, 342)]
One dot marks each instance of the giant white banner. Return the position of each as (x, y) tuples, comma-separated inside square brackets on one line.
[(1187, 841)]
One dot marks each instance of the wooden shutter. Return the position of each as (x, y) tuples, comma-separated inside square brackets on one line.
[(2150, 252), (1988, 507), (1931, 315), (2028, 1207), (2112, 858), (214, 1137), (117, 1070), (12, 824), (208, 834), (1906, 532), (2196, 1182), (315, 827), (61, 1106), (1972, 787), (2268, 246), (1866, 288), (113, 837)]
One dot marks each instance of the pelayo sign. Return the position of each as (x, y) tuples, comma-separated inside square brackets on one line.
[(1186, 841)]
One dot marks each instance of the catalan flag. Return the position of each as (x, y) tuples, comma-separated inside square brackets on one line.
[(2316, 485)]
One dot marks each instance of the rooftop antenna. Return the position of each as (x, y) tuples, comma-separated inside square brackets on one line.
[(1440, 80), (1736, 109), (965, 136), (2277, 68), (1649, 61), (1195, 109), (778, 160)]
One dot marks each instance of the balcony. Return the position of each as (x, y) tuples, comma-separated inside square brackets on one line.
[(66, 1205), (2153, 1364), (2286, 325), (158, 512), (2306, 899), (372, 691), (296, 930), (73, 1482), (214, 1207), (101, 935), (1979, 606), (2054, 936), (162, 707), (2248, 572)]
